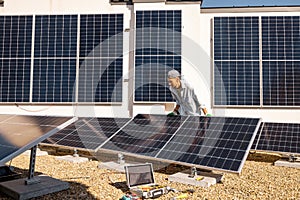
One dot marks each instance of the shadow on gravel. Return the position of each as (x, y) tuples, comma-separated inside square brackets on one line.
[(263, 157), (76, 190)]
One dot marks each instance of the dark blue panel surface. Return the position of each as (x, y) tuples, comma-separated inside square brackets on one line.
[(101, 35), (157, 50), (281, 37), (236, 83), (15, 54), (55, 36), (236, 38), (14, 80), (279, 137), (145, 134), (100, 80), (87, 133), (151, 77), (236, 61), (15, 36), (54, 80), (281, 83), (212, 142)]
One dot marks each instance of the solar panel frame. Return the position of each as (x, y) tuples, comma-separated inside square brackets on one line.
[(55, 55), (278, 137), (213, 136), (142, 130), (236, 61), (86, 133), (15, 151), (15, 57), (101, 44), (157, 50), (127, 145)]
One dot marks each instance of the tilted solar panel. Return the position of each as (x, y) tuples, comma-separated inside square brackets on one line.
[(145, 134), (19, 133), (220, 143), (278, 137), (87, 133)]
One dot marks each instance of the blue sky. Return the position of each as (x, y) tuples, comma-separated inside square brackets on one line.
[(237, 3)]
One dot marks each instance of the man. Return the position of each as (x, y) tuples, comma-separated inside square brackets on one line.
[(186, 100)]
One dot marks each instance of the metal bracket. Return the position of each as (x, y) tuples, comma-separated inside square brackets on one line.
[(31, 179), (121, 159), (292, 158), (193, 172)]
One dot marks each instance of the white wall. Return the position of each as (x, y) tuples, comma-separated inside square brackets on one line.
[(196, 57)]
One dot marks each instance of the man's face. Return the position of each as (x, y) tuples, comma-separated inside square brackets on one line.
[(174, 82)]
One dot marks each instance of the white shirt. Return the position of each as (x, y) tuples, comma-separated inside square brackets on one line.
[(186, 98)]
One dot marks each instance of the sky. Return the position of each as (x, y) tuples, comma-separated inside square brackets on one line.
[(239, 3)]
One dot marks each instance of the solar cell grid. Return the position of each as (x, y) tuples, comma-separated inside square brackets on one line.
[(212, 142), (101, 61), (15, 54), (87, 133), (157, 50), (55, 51), (279, 137), (145, 134), (236, 61)]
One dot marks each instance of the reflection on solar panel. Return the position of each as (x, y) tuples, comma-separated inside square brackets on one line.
[(15, 54), (214, 142), (279, 137), (55, 47), (87, 133), (101, 61), (158, 50), (145, 134), (236, 61), (280, 52), (20, 133), (220, 143)]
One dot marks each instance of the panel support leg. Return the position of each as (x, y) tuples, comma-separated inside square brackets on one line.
[(31, 179)]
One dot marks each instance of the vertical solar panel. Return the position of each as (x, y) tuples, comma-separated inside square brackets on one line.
[(279, 137), (15, 54), (157, 50), (101, 58), (236, 61), (55, 51), (87, 133), (212, 142), (281, 59)]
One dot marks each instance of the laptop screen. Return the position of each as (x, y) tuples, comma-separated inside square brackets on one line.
[(141, 174)]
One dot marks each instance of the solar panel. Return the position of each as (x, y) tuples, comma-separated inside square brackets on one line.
[(101, 61), (19, 133), (279, 137), (280, 52), (55, 51), (145, 134), (220, 143), (15, 54), (157, 50), (87, 133), (236, 61)]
